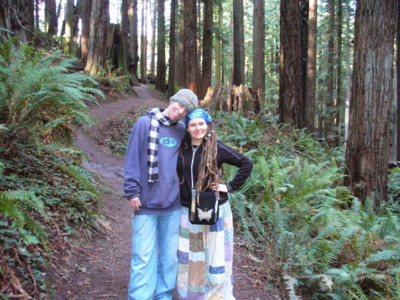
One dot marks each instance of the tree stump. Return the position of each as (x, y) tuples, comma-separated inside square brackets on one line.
[(240, 99)]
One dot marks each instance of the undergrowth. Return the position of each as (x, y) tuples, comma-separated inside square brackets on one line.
[(319, 241), (114, 133), (44, 198), (45, 194)]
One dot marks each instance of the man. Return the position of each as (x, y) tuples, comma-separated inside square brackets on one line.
[(152, 188)]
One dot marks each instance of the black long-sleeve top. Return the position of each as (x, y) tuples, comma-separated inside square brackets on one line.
[(190, 162)]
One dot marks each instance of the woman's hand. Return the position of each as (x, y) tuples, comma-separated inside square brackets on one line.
[(220, 188)]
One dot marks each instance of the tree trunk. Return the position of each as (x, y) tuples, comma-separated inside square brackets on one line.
[(161, 67), (190, 47), (258, 46), (133, 39), (51, 17), (398, 86), (368, 149), (309, 101), (153, 38), (238, 77), (329, 134), (339, 111), (207, 48), (172, 50), (181, 65), (36, 15), (99, 20), (85, 8), (143, 44), (218, 48), (18, 17), (69, 24), (291, 109), (124, 60)]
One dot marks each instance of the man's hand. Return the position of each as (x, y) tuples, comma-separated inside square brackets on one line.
[(135, 203)]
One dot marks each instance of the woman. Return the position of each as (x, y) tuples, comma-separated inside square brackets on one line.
[(205, 252)]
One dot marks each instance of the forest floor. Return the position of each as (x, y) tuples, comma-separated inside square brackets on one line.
[(99, 269)]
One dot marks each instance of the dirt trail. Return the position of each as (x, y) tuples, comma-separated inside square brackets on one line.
[(101, 268)]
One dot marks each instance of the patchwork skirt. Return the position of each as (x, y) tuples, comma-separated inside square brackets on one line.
[(205, 256)]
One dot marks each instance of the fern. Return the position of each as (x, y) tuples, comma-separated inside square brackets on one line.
[(17, 206), (39, 99)]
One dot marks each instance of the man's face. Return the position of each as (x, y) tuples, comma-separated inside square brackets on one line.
[(176, 111)]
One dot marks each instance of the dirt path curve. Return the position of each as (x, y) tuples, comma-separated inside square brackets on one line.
[(101, 268)]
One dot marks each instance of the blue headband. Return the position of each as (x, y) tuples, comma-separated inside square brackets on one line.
[(198, 113)]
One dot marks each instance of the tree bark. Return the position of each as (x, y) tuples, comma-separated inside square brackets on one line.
[(180, 64), (99, 20), (258, 46), (134, 38), (368, 149), (85, 8), (161, 67), (330, 79), (218, 47), (143, 44), (124, 60), (172, 50), (190, 47), (18, 17), (339, 107), (309, 101), (398, 85), (50, 15), (153, 38), (238, 77), (207, 48), (69, 24), (291, 108)]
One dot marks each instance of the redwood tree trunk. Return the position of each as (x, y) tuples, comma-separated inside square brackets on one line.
[(218, 48), (51, 17), (339, 112), (398, 85), (330, 76), (134, 38), (153, 37), (180, 63), (69, 25), (172, 50), (309, 101), (125, 61), (190, 47), (291, 110), (18, 17), (85, 8), (99, 20), (258, 46), (238, 43), (368, 149), (143, 44), (161, 67), (207, 48)]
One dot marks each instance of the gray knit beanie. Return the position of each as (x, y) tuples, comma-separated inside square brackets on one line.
[(187, 98)]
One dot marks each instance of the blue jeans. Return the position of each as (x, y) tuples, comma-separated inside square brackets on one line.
[(154, 256)]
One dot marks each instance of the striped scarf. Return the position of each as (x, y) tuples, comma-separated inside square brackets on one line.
[(152, 148)]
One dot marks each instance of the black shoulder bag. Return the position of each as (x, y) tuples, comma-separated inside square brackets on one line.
[(204, 208)]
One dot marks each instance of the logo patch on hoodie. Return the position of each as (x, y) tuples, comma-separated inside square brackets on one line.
[(168, 142)]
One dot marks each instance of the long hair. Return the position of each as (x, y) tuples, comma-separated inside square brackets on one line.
[(208, 168)]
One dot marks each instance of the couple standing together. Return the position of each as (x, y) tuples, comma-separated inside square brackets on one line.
[(165, 159)]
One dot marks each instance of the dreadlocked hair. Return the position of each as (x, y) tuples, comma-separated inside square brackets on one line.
[(208, 169)]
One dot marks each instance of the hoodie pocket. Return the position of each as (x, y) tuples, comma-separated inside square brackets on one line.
[(162, 194)]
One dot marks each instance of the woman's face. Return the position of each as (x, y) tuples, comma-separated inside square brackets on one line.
[(197, 129)]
